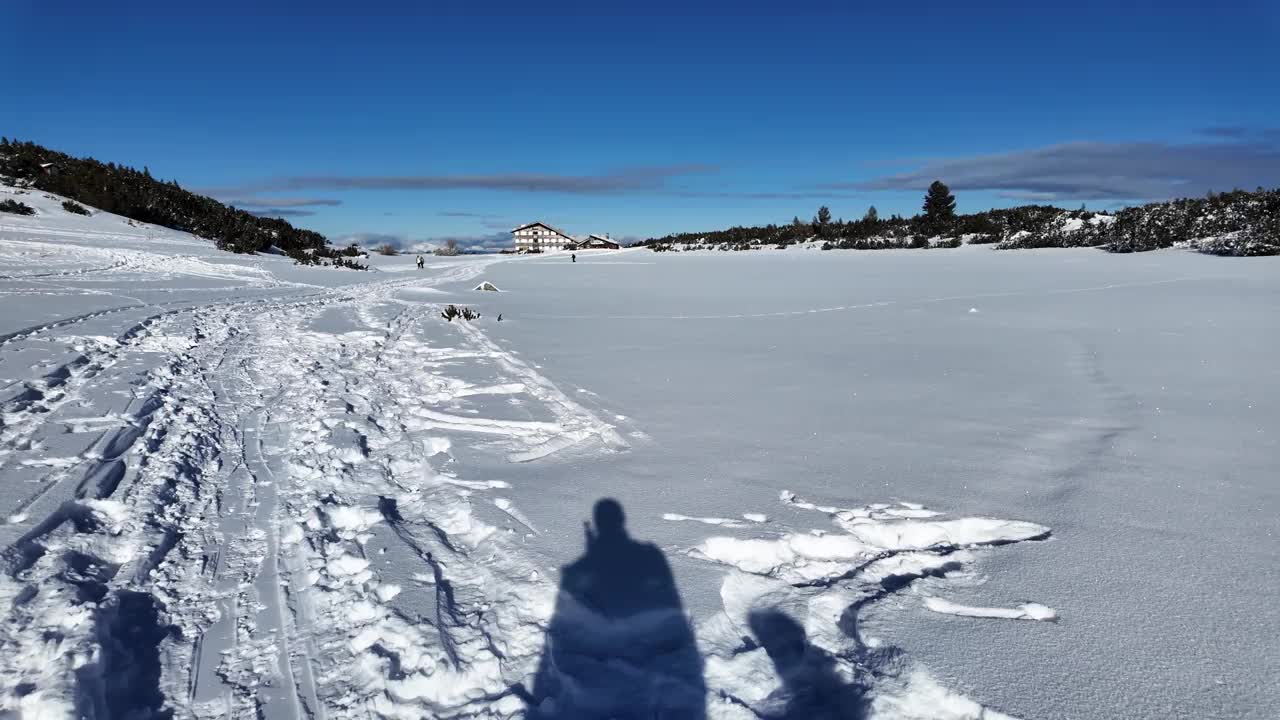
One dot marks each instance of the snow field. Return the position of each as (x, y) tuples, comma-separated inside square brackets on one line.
[(234, 488), (279, 513)]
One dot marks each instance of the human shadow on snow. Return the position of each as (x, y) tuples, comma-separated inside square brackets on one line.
[(812, 688), (619, 644)]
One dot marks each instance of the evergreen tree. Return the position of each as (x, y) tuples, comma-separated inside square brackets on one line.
[(871, 216), (797, 229), (821, 222), (939, 203)]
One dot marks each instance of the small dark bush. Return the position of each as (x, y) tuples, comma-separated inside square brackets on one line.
[(338, 262), (453, 311), (74, 207), (15, 207)]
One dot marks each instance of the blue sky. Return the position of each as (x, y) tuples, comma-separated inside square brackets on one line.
[(424, 120)]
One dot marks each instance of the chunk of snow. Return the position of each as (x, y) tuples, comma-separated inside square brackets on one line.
[(346, 565), (112, 513), (292, 534), (1025, 611), (348, 522), (723, 522)]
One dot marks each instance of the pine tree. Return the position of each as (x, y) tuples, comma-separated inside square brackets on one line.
[(822, 221), (872, 215), (797, 228), (939, 203)]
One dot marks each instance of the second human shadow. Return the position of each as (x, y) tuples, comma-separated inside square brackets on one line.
[(812, 689)]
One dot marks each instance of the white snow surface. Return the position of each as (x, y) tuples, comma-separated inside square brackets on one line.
[(234, 487)]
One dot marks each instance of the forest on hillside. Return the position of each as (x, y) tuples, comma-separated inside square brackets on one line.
[(1230, 223), (135, 194)]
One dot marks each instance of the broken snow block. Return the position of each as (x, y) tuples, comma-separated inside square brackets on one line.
[(486, 285)]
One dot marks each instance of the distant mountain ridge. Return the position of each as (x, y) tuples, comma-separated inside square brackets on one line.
[(136, 195), (1237, 223)]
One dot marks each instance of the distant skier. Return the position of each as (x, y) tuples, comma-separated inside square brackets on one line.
[(420, 262), (573, 257)]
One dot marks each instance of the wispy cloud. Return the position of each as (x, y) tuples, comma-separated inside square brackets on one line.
[(1234, 158), (633, 179), (489, 221), (273, 202), (406, 243), (781, 195), (279, 212), (1242, 132)]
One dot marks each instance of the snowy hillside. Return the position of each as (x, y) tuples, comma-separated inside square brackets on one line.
[(234, 487), (135, 194)]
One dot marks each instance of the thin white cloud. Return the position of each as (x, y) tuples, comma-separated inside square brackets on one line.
[(405, 243), (274, 202), (1237, 158), (632, 179), (279, 212)]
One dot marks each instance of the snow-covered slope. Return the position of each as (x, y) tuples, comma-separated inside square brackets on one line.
[(233, 487)]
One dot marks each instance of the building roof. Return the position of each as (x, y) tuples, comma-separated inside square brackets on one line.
[(541, 224)]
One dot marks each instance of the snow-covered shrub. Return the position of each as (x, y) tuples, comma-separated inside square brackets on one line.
[(1259, 239)]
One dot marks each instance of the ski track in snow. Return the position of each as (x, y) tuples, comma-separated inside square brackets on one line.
[(233, 537)]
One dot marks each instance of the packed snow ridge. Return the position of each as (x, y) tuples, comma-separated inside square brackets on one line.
[(235, 488)]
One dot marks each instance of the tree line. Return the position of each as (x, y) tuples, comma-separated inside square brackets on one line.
[(1233, 223), (135, 194)]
